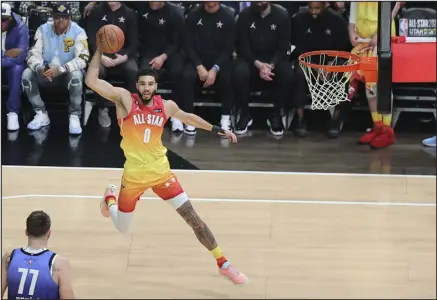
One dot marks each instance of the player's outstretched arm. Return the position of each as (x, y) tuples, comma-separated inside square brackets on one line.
[(65, 277), (5, 262), (173, 110), (102, 87)]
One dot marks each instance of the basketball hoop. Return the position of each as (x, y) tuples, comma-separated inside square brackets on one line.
[(328, 72)]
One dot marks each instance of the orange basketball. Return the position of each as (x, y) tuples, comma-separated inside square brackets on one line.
[(110, 39)]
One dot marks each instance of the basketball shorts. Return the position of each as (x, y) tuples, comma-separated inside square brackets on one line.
[(368, 52), (167, 187)]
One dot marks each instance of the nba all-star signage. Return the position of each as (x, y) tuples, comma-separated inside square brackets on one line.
[(418, 22)]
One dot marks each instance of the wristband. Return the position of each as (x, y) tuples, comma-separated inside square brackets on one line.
[(216, 68), (217, 129)]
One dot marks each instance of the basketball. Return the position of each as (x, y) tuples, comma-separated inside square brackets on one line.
[(110, 39)]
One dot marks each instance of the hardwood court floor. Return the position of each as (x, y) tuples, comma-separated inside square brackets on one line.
[(337, 238)]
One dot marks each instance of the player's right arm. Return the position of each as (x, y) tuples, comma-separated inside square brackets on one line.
[(120, 96), (65, 277), (6, 259)]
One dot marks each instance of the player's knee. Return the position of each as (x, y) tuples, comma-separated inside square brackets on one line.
[(126, 209), (124, 220), (178, 201)]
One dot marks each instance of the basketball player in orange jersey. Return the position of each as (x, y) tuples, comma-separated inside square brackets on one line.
[(141, 117)]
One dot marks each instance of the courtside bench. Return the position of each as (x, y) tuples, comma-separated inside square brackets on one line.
[(407, 98)]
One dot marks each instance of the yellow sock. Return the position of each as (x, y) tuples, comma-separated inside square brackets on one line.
[(218, 255), (376, 117), (386, 120), (217, 252)]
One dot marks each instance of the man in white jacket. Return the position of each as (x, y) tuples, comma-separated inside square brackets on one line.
[(58, 58)]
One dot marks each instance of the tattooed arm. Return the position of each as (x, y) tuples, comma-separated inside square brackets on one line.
[(201, 230), (6, 259)]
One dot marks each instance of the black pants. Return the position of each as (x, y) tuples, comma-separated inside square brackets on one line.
[(173, 66), (223, 83), (279, 88), (300, 87), (128, 71)]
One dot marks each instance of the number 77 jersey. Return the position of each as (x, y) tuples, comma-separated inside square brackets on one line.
[(142, 131), (30, 275)]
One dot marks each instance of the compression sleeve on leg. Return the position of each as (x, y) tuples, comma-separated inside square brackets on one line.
[(120, 219)]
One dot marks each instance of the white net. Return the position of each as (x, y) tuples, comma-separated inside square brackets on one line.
[(327, 88)]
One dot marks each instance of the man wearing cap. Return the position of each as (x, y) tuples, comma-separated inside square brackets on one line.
[(15, 45), (59, 57)]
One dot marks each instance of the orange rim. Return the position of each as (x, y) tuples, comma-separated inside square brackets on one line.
[(368, 64)]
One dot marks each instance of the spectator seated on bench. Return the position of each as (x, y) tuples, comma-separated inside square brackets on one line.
[(124, 62), (160, 41), (15, 47), (263, 39), (58, 58), (209, 45), (318, 27)]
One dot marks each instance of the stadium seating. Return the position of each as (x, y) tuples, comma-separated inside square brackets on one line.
[(418, 97)]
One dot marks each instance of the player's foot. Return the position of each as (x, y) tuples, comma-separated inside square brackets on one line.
[(384, 139), (369, 136), (228, 271), (110, 193)]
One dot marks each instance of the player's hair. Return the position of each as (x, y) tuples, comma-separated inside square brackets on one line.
[(38, 224), (148, 72)]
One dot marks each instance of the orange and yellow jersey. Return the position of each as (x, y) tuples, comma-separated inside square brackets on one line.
[(141, 133)]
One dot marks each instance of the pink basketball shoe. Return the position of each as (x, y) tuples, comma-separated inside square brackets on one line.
[(228, 271), (111, 191)]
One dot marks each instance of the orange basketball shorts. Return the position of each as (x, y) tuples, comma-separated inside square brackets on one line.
[(364, 50), (166, 187)]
